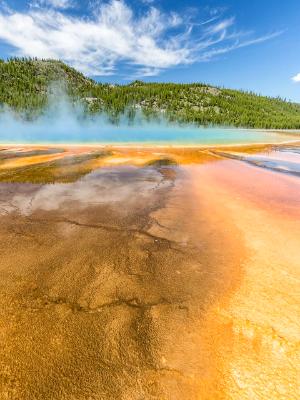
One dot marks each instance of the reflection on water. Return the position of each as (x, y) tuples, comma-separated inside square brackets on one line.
[(103, 186), (285, 159)]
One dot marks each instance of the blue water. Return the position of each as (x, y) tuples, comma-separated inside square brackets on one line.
[(70, 130)]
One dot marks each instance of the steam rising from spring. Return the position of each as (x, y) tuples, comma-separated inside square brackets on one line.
[(64, 121)]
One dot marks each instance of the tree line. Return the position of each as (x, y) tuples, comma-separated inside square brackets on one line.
[(27, 83)]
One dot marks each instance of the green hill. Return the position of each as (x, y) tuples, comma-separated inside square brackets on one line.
[(25, 85)]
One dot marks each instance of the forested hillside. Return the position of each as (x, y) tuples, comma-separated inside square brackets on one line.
[(25, 85)]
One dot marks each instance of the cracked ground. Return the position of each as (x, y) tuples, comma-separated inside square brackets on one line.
[(95, 288), (134, 282)]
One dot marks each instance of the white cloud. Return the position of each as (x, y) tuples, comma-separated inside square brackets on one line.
[(115, 35), (221, 26), (237, 44), (296, 78), (59, 4)]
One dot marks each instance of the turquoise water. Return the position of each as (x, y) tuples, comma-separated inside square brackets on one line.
[(68, 130)]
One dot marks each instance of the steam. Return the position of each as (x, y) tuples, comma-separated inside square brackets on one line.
[(64, 121)]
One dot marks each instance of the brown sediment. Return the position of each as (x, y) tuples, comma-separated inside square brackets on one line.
[(75, 162), (176, 280), (97, 298), (58, 167), (25, 160)]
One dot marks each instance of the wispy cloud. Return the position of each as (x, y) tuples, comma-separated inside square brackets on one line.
[(114, 34), (59, 4), (237, 44), (148, 1), (296, 78)]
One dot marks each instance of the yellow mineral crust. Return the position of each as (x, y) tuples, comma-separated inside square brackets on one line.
[(168, 274)]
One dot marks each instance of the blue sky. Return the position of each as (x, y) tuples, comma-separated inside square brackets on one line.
[(252, 45)]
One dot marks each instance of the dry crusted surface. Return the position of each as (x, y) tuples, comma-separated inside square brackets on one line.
[(119, 286), (94, 305)]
